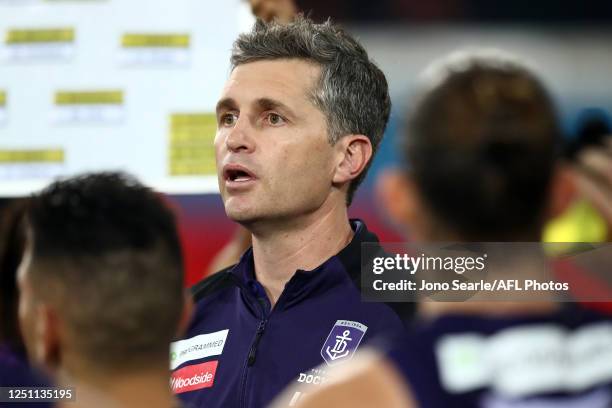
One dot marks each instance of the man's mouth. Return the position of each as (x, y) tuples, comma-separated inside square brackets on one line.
[(237, 174)]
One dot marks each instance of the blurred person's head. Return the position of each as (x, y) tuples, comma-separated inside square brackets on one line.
[(481, 145), (299, 120), (101, 278), (282, 11), (12, 243), (594, 128)]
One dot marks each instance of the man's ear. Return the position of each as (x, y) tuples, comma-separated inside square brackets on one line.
[(355, 152), (397, 194), (562, 191), (186, 315)]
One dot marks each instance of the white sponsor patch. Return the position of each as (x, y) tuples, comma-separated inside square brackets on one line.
[(204, 345), (461, 362), (527, 360)]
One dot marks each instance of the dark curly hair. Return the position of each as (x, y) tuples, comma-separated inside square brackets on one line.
[(105, 250)]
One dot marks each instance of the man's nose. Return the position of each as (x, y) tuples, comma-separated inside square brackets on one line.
[(240, 138)]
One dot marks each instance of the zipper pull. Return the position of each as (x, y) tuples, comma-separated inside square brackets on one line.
[(253, 350)]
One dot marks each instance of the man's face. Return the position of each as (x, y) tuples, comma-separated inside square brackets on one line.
[(274, 160)]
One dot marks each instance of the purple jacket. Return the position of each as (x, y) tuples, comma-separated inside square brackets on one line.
[(561, 360), (240, 353), (14, 372)]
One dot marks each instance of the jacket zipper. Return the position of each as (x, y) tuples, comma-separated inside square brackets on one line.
[(253, 350)]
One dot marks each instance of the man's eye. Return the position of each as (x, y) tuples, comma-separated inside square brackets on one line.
[(229, 119), (275, 119)]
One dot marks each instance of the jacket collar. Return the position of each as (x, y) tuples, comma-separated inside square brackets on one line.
[(345, 264)]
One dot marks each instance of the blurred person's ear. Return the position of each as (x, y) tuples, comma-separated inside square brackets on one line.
[(562, 191), (186, 314), (400, 199), (354, 154), (47, 337), (39, 322)]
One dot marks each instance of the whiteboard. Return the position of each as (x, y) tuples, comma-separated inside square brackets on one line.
[(91, 85)]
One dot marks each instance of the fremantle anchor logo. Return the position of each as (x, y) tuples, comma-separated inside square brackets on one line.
[(342, 341), (339, 350)]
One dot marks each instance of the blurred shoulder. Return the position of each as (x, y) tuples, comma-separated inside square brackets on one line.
[(369, 380)]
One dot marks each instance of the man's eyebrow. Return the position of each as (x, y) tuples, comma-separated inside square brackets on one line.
[(272, 104), (225, 104), (262, 103)]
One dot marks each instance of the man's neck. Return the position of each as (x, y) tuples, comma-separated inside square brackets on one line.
[(304, 244), (142, 388)]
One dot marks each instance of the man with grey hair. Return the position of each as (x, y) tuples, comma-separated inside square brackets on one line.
[(299, 120)]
